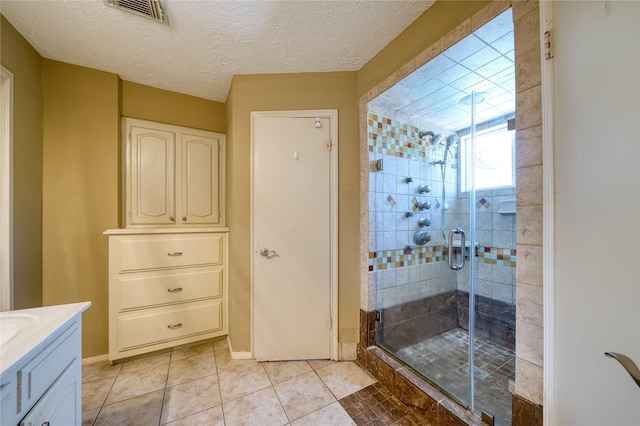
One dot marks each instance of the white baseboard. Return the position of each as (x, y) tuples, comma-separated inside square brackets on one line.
[(238, 355), (95, 359)]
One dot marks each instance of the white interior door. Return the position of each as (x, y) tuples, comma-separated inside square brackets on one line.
[(293, 220), (597, 200)]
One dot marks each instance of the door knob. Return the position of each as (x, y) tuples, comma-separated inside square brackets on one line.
[(267, 253)]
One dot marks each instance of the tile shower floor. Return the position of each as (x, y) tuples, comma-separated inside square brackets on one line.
[(444, 360), (202, 385)]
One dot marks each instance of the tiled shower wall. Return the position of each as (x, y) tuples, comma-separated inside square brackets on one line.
[(496, 241), (398, 275)]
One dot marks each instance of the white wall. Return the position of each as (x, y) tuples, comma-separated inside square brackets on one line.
[(597, 216)]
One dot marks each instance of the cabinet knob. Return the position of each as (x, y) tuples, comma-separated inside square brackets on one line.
[(184, 218), (172, 219)]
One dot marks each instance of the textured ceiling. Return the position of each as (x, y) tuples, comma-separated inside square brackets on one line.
[(207, 42)]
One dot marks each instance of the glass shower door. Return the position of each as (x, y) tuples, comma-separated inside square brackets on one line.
[(488, 180)]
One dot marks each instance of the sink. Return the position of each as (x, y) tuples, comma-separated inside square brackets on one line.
[(13, 324)]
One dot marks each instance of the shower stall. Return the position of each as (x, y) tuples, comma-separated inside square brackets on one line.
[(442, 252)]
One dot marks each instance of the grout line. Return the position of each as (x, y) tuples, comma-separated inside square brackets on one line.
[(164, 393)]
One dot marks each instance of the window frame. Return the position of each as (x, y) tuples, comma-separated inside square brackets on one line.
[(464, 146)]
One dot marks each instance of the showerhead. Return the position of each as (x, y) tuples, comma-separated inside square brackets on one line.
[(452, 141), (433, 139)]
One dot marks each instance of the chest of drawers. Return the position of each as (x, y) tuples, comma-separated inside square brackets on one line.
[(166, 288)]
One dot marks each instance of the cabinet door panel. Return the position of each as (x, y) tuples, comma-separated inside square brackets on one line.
[(59, 406), (152, 185), (43, 369), (200, 176)]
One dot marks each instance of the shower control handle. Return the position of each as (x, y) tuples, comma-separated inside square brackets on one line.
[(423, 206), (456, 266), (423, 189), (424, 222)]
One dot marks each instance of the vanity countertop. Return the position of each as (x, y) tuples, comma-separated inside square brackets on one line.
[(25, 330)]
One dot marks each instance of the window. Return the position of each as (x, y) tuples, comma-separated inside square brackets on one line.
[(495, 154)]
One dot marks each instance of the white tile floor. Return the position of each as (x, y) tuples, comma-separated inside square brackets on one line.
[(202, 385)]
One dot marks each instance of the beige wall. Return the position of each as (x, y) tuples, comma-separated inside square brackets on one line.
[(80, 191), (149, 103), (292, 92), (26, 65)]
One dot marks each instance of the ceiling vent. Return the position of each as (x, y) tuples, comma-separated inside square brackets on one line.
[(148, 8)]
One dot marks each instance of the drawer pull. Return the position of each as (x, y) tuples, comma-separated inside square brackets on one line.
[(4, 385), (175, 253), (174, 290), (173, 326)]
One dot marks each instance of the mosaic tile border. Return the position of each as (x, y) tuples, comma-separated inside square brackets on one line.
[(496, 256), (389, 137), (389, 259)]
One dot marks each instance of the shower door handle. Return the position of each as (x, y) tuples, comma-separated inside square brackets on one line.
[(456, 266)]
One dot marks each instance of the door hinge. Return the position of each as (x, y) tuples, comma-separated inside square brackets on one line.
[(330, 322), (329, 145), (219, 215), (548, 44), (379, 316)]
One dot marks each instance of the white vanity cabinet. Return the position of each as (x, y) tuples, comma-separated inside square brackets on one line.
[(167, 287), (41, 379), (174, 176)]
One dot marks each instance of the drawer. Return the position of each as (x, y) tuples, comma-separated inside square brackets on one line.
[(146, 289), (140, 252), (162, 324), (45, 368)]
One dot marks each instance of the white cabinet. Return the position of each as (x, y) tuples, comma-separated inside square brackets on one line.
[(174, 176), (167, 287), (41, 379)]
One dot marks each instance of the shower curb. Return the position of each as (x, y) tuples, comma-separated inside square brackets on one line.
[(433, 405)]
